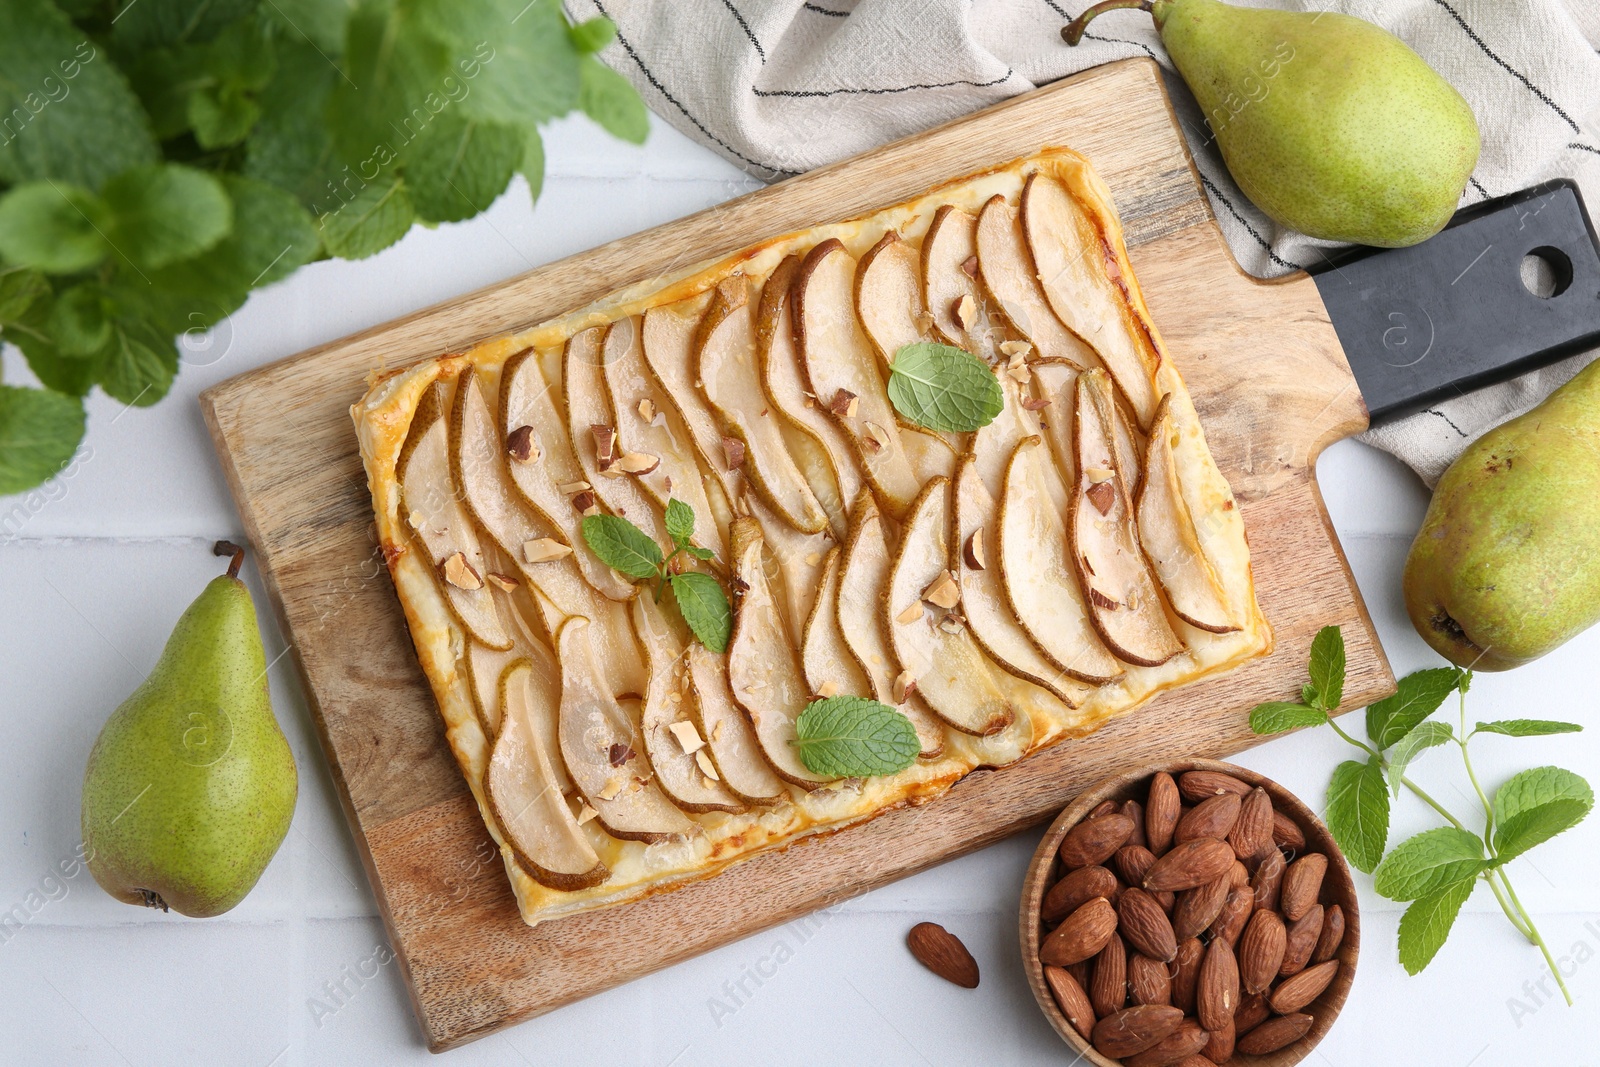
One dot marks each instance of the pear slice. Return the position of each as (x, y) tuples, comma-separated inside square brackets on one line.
[(1167, 533), (889, 297), (633, 392), (820, 449), (669, 349), (671, 738), (1056, 381), (763, 668), (1082, 282), (829, 668), (603, 750), (840, 365), (727, 731), (1041, 591), (524, 798), (588, 407), (863, 580), (946, 664), (1123, 601), (485, 665), (478, 465), (726, 369), (950, 288), (794, 562), (976, 546), (527, 400), (429, 505), (1006, 268)]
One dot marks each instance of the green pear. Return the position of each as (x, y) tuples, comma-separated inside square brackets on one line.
[(1506, 566), (1329, 124), (191, 784)]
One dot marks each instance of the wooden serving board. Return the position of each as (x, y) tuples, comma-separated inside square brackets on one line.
[(1268, 378)]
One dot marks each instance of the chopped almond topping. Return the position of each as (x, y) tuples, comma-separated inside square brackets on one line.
[(612, 788), (459, 573), (1099, 474), (605, 444), (733, 452), (813, 558), (877, 437), (943, 593), (586, 503), (1036, 403), (503, 581), (707, 768), (970, 265), (618, 754), (521, 445), (638, 462), (904, 685), (952, 623), (416, 519), (716, 730), (828, 689), (844, 403), (973, 552), (1021, 373), (1102, 495), (544, 550), (966, 311), (647, 409), (586, 813), (910, 614), (1101, 600), (568, 488), (688, 737), (1015, 348)]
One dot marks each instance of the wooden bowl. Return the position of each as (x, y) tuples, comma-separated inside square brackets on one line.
[(1337, 888)]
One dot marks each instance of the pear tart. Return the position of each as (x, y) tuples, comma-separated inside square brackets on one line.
[(1007, 588)]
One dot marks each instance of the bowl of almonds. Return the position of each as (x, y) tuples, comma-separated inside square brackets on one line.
[(1186, 915)]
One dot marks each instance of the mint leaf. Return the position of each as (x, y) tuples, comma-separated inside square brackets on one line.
[(943, 388), (319, 22), (853, 737), (377, 217), (1527, 727), (158, 23), (608, 98), (1427, 922), (392, 65), (593, 35), (291, 146), (167, 212), (1418, 695), (1358, 812), (53, 227), (222, 116), (622, 546), (699, 553), (1429, 862), (39, 431), (1276, 716), (704, 607), (272, 236), (139, 366), (1425, 736), (532, 166), (20, 287), (457, 168), (517, 57), (1535, 806), (680, 521), (79, 320), (1327, 667)]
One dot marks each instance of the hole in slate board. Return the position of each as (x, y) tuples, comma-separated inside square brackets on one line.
[(1546, 272)]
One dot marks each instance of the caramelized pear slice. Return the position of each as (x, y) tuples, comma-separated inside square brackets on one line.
[(820, 449), (726, 369), (976, 547), (793, 562), (485, 665), (523, 794), (429, 505), (844, 371), (669, 344), (829, 667), (1006, 267), (729, 736), (527, 400), (588, 407), (603, 750), (1075, 265), (632, 392), (1167, 532), (1056, 381), (763, 668), (889, 297), (863, 580), (1040, 589), (672, 740), (1123, 601), (950, 288), (946, 664)]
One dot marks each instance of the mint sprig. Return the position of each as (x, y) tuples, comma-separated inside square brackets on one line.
[(943, 388), (625, 548), (1438, 869), (854, 737)]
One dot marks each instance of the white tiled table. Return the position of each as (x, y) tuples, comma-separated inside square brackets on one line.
[(295, 975)]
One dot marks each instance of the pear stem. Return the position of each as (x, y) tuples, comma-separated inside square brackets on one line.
[(228, 548), (1073, 31)]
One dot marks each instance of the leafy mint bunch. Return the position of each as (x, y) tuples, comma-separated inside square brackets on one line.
[(1436, 870), (625, 548), (161, 159)]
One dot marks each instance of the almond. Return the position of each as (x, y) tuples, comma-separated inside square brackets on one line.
[(1108, 988), (733, 452), (1149, 981), (461, 574), (973, 555), (1252, 833), (1239, 874), (1285, 834), (1076, 890), (1253, 1011), (1274, 1034), (1267, 879), (844, 404), (1071, 998), (1301, 942), (1219, 1044), (1132, 1030), (1143, 922), (1161, 810), (1096, 840), (605, 444), (638, 463), (1186, 973), (1132, 862), (544, 550), (1198, 908), (1196, 786), (1216, 994), (1187, 1040), (1105, 807), (1261, 950), (1135, 811), (1083, 934), (1236, 911), (1190, 864), (1295, 993), (1332, 935), (943, 953), (521, 446), (1302, 882), (1212, 817)]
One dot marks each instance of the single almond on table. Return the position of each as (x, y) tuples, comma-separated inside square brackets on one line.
[(1187, 1040), (1286, 834), (1274, 1034), (1076, 890), (1196, 786), (1132, 1030), (1198, 908), (1268, 879), (1212, 817), (1081, 935), (1108, 989), (1261, 949), (1253, 1011), (1149, 981), (1162, 807), (943, 953), (1096, 840), (1186, 973), (1071, 998), (1295, 993), (1190, 864), (1252, 833), (1145, 925), (1302, 883), (1236, 911), (1301, 942), (1332, 935), (1216, 995)]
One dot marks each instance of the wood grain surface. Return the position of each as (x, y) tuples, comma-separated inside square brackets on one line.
[(1267, 376)]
